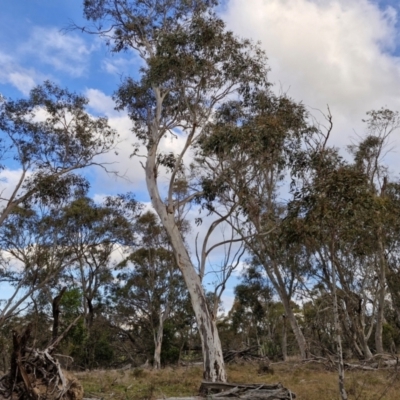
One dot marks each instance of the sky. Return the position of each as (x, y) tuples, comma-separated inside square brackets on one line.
[(344, 54)]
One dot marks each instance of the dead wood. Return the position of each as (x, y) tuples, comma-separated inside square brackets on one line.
[(36, 374), (377, 362), (257, 391), (248, 355)]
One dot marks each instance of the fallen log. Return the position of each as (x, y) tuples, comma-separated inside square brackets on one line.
[(384, 362), (257, 391)]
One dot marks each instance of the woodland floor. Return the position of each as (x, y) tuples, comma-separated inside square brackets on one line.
[(308, 381)]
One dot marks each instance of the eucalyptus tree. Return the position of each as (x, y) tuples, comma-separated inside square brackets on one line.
[(391, 228), (368, 157), (249, 151), (97, 234), (46, 139), (335, 216), (191, 63), (149, 287), (33, 255), (249, 312)]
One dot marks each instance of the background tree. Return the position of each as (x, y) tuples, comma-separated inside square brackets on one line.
[(50, 136), (95, 233), (249, 150), (33, 254), (149, 288)]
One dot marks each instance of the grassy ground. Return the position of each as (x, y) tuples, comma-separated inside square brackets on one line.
[(309, 382)]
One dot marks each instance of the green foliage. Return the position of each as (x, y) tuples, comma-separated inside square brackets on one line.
[(171, 347), (50, 135)]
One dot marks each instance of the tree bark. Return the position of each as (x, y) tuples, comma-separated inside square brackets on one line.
[(393, 282), (213, 361), (158, 345), (301, 340), (279, 285), (56, 312), (381, 295), (336, 321), (284, 338), (159, 337), (90, 314)]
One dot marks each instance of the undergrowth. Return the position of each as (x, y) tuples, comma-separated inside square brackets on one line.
[(308, 381)]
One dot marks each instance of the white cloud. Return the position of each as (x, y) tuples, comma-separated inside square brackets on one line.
[(11, 72), (122, 65), (65, 52), (332, 52), (101, 103), (227, 302), (22, 81)]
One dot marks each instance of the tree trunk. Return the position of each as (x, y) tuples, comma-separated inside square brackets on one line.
[(336, 321), (159, 338), (56, 312), (90, 314), (365, 348), (279, 285), (213, 361), (284, 338), (393, 282), (158, 346), (301, 340), (381, 295)]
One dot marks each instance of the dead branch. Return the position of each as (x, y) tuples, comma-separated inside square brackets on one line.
[(249, 354), (36, 374)]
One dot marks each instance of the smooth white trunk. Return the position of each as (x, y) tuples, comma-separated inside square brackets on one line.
[(158, 345), (213, 361)]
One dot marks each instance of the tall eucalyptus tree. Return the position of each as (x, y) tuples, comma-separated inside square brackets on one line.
[(191, 63)]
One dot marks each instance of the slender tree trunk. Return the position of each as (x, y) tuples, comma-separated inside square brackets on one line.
[(213, 361), (381, 295), (301, 340), (90, 314), (158, 345), (279, 285), (159, 337), (393, 282), (356, 332), (284, 338), (342, 389), (365, 348), (56, 312)]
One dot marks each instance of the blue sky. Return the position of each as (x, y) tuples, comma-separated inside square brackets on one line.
[(344, 53)]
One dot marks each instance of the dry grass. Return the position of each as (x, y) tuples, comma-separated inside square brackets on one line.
[(309, 382)]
